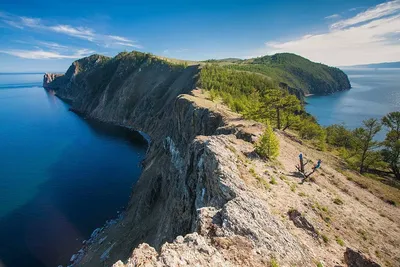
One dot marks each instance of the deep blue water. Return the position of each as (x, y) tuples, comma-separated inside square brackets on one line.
[(60, 176), (374, 93)]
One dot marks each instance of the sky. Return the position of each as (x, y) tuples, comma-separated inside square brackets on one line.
[(39, 36)]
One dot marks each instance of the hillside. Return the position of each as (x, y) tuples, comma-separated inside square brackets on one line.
[(204, 197), (295, 71)]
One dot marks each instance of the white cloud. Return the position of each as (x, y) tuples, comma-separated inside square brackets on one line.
[(41, 54), (129, 45), (79, 32), (53, 45), (30, 22), (119, 38), (376, 12), (334, 16), (369, 37), (14, 24)]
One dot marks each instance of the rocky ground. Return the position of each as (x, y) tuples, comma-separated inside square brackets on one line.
[(272, 219)]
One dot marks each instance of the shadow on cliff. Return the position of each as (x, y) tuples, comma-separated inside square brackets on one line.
[(86, 186)]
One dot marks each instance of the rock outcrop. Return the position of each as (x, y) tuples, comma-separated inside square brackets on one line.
[(357, 259)]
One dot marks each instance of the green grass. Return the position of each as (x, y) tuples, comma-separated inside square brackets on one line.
[(339, 241), (325, 239), (273, 181), (273, 263), (363, 234), (293, 187)]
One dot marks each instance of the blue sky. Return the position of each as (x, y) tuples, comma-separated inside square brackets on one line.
[(49, 35)]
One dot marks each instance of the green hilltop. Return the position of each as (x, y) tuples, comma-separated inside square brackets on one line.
[(293, 70)]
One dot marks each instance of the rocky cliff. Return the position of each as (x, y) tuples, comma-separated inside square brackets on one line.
[(194, 203)]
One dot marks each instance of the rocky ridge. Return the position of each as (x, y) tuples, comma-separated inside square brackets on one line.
[(193, 204)]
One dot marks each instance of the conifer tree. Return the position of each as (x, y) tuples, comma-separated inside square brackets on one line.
[(268, 145), (391, 151)]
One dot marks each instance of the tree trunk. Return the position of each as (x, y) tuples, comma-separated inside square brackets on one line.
[(396, 171), (278, 118)]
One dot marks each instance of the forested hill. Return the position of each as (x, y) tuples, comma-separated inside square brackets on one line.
[(295, 71)]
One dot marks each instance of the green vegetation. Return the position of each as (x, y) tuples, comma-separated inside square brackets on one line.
[(363, 234), (339, 241), (268, 145), (273, 181), (295, 72), (391, 150), (319, 264), (293, 187), (325, 238), (361, 151), (365, 143), (302, 194), (273, 262), (338, 201), (264, 89)]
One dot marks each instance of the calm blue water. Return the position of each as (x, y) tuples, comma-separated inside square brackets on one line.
[(374, 93), (60, 175)]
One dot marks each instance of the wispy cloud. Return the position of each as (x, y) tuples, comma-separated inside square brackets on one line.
[(376, 12), (53, 45), (370, 36), (119, 38), (41, 54), (334, 16), (81, 32)]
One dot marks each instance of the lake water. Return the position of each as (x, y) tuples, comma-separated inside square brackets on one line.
[(60, 175), (374, 93)]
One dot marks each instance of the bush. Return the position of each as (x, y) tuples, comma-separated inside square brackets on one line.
[(339, 136), (268, 145), (338, 201), (340, 241), (274, 263)]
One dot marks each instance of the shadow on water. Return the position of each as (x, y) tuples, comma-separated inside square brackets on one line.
[(79, 196)]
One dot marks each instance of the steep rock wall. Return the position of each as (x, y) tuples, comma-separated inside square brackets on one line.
[(190, 182)]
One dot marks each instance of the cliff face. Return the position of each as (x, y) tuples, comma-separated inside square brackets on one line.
[(188, 175), (194, 180)]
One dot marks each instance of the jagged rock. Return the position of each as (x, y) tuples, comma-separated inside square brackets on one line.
[(357, 259)]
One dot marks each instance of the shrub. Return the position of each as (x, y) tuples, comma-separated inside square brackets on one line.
[(339, 241), (338, 201), (273, 181), (274, 263), (268, 145), (325, 238), (293, 188), (302, 194)]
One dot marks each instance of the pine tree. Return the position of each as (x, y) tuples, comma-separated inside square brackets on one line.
[(268, 145), (365, 142), (391, 151)]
